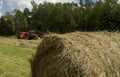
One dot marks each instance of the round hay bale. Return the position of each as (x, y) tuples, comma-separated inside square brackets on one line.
[(77, 54)]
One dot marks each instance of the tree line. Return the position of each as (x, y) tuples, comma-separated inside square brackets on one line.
[(86, 15)]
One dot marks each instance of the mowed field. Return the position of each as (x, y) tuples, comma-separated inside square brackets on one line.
[(15, 55)]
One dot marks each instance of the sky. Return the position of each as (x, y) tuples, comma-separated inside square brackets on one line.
[(10, 5)]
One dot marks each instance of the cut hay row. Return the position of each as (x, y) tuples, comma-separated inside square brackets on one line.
[(78, 54)]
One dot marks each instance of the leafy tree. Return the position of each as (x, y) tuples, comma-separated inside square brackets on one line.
[(27, 15), (64, 17), (21, 21), (7, 26)]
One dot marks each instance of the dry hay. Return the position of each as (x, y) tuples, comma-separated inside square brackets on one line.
[(78, 55)]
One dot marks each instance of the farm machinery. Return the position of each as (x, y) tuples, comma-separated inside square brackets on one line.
[(27, 35)]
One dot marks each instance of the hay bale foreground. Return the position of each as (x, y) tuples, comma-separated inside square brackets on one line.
[(78, 55)]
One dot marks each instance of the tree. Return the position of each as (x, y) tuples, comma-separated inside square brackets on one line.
[(7, 26), (21, 21)]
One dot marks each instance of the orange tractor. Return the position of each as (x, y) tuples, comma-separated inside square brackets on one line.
[(27, 35)]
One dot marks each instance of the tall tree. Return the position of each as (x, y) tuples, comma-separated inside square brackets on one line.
[(27, 17), (21, 21), (7, 26)]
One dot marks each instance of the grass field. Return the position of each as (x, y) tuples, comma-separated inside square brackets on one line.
[(15, 55)]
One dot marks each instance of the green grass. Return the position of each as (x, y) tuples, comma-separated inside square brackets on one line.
[(14, 56)]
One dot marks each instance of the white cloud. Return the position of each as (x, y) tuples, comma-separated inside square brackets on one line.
[(0, 14), (21, 4), (66, 1), (1, 4), (118, 1), (54, 1)]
